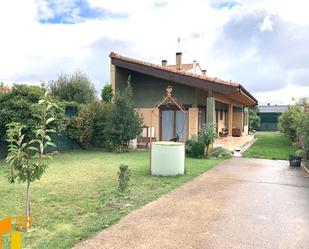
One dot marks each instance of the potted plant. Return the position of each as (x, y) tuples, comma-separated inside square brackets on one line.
[(295, 160)]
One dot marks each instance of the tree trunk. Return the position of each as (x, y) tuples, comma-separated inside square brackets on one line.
[(28, 206)]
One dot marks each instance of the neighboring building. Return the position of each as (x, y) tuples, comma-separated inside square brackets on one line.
[(205, 99), (269, 116)]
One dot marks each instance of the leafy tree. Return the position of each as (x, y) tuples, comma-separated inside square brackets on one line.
[(80, 127), (107, 93), (124, 121), (207, 135), (20, 106), (27, 159), (254, 118), (75, 87), (291, 120)]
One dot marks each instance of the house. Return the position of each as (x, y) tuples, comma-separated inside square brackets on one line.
[(269, 115), (204, 98)]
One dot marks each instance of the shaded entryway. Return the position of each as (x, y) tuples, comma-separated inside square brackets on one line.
[(242, 203)]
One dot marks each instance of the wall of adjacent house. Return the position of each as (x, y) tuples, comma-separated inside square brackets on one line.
[(147, 114), (147, 90)]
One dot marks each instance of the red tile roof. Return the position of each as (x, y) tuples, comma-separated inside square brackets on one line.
[(171, 68)]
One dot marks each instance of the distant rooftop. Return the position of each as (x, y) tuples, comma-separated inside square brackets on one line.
[(273, 108)]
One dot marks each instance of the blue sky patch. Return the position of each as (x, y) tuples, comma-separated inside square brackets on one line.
[(70, 12), (224, 4)]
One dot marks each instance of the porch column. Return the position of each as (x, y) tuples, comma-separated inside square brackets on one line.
[(113, 78), (193, 122), (230, 119), (210, 110)]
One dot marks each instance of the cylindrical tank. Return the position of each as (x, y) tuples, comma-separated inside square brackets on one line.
[(167, 158)]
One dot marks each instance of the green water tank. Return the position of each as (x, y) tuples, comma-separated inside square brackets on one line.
[(167, 158)]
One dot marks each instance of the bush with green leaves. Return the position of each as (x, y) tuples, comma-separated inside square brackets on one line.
[(107, 93), (20, 105), (197, 149), (73, 87), (80, 128), (26, 159), (124, 175), (220, 152), (290, 122)]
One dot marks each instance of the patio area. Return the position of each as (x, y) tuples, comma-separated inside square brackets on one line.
[(231, 143)]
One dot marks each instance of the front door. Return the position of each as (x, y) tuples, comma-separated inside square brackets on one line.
[(172, 123)]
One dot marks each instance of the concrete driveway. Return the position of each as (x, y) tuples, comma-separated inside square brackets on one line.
[(242, 203)]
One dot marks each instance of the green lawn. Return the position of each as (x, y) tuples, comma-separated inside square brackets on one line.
[(270, 145), (78, 195)]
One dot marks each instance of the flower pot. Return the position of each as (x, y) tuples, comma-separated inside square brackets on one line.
[(295, 161)]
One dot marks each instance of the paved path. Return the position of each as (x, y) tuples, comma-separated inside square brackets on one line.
[(243, 203)]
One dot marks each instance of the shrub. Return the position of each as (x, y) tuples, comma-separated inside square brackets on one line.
[(101, 124), (290, 122), (188, 147), (107, 94), (220, 152), (124, 174), (197, 149), (20, 105), (80, 128)]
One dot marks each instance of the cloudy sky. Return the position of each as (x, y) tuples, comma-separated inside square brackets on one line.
[(263, 44)]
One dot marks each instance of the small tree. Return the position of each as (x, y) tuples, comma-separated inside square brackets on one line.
[(124, 121), (76, 87), (124, 174), (27, 159), (254, 118), (107, 93), (207, 135)]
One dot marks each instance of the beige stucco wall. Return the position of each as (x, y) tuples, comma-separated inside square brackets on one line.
[(193, 122), (146, 114)]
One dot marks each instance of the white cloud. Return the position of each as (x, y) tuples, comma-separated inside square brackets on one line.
[(31, 51), (267, 24)]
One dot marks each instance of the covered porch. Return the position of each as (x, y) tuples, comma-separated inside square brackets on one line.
[(232, 143)]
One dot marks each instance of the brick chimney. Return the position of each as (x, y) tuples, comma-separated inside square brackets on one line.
[(178, 60), (164, 63)]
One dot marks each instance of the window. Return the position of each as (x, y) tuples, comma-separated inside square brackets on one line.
[(221, 114)]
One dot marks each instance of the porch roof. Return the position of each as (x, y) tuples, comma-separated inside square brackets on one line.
[(233, 90)]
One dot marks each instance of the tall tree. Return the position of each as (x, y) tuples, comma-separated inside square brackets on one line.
[(107, 93), (254, 118), (124, 121), (75, 87)]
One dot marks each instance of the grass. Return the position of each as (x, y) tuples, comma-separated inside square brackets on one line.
[(271, 145), (78, 195)]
